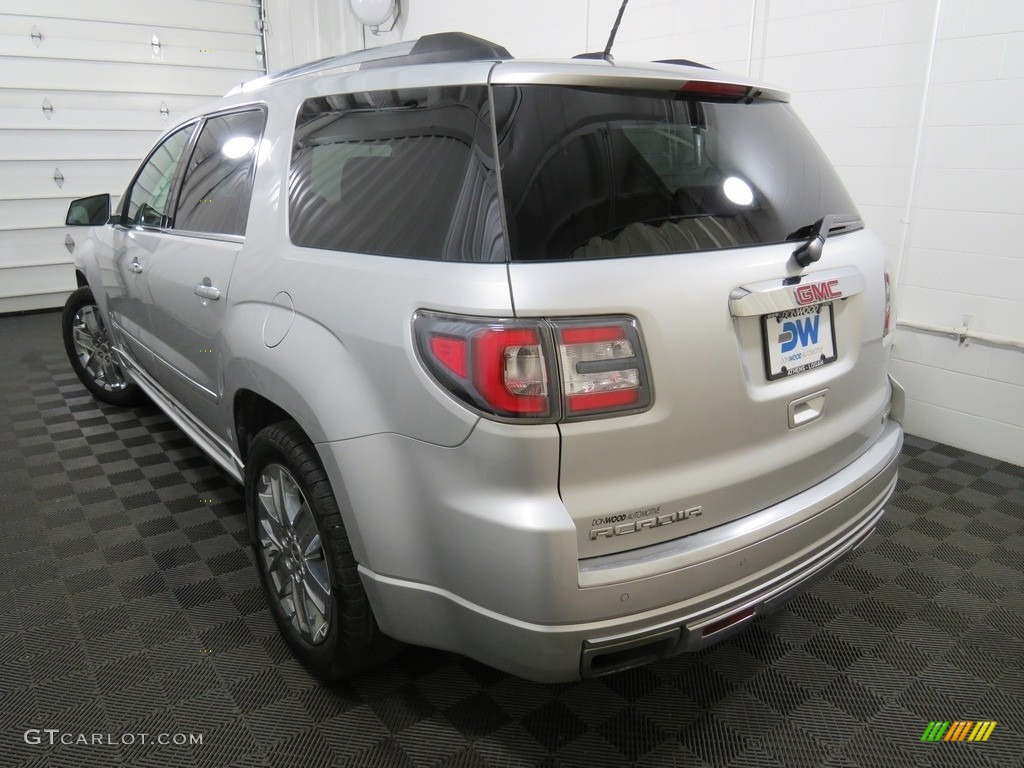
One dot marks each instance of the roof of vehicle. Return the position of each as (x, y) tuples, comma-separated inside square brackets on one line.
[(454, 47)]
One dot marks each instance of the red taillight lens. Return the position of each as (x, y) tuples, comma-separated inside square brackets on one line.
[(548, 370), (451, 353), (509, 370)]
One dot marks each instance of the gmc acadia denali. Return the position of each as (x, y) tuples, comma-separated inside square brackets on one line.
[(565, 366)]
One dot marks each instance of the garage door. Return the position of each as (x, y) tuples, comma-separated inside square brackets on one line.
[(85, 89)]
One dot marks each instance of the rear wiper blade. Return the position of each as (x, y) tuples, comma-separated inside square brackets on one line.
[(832, 224)]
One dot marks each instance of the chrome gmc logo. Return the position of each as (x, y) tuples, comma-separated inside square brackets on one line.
[(812, 292)]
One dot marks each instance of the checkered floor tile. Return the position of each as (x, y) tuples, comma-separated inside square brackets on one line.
[(130, 614)]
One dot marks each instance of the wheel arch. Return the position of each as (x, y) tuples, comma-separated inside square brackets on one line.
[(309, 375), (260, 392), (253, 412)]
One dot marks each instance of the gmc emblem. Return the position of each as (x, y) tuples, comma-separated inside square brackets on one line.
[(814, 292)]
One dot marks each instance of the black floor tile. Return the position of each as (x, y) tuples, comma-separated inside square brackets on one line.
[(129, 604)]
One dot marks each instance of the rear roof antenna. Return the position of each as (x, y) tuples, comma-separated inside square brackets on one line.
[(606, 54)]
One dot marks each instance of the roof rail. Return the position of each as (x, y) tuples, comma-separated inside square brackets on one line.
[(444, 47), (429, 49), (332, 62)]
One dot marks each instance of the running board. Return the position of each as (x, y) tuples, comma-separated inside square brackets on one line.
[(212, 446)]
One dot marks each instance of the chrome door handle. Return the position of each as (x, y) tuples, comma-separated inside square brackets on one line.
[(135, 267), (207, 291)]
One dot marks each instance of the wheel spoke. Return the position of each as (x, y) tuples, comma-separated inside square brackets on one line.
[(268, 502), (301, 609), (292, 501), (273, 530), (314, 596), (277, 493), (272, 557), (112, 373), (284, 587), (318, 582), (91, 320), (83, 339), (316, 611), (306, 531)]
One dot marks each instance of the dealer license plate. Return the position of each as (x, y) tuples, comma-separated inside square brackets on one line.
[(798, 340)]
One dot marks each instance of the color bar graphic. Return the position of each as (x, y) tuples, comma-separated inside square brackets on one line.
[(982, 730), (935, 730), (958, 730)]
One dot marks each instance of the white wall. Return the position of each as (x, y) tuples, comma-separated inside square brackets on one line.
[(964, 257), (929, 138), (85, 90), (299, 31)]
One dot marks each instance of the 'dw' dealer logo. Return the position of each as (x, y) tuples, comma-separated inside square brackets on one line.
[(958, 730), (802, 331)]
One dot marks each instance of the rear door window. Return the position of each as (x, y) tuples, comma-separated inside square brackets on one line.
[(590, 173), (405, 173)]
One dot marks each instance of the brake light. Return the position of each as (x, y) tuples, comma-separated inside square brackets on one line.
[(715, 90), (538, 369), (509, 370)]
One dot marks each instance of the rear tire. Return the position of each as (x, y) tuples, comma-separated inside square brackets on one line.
[(91, 354), (304, 557)]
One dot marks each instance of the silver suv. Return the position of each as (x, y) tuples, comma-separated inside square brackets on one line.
[(562, 365)]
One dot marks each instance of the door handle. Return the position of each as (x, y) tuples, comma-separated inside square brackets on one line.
[(135, 267), (207, 290)]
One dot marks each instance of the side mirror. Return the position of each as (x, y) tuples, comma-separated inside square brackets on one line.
[(89, 211)]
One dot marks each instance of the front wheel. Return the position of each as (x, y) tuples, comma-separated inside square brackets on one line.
[(304, 557), (89, 349)]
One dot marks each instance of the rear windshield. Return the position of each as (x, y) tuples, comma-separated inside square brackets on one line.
[(590, 173), (585, 173)]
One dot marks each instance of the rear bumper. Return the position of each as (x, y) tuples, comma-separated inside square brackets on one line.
[(705, 586)]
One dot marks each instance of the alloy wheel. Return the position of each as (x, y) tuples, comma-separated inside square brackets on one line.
[(293, 554), (94, 350)]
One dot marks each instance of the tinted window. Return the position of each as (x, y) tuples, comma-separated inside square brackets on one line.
[(217, 186), (397, 173), (590, 173), (147, 199)]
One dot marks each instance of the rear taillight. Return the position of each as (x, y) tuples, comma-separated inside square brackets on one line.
[(510, 372), (538, 369), (600, 368)]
